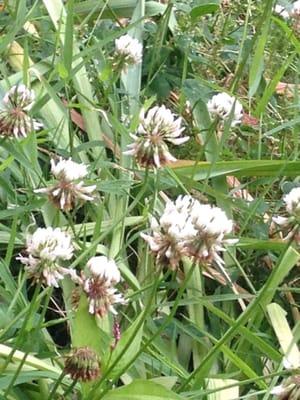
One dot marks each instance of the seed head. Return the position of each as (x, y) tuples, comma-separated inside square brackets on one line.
[(83, 364)]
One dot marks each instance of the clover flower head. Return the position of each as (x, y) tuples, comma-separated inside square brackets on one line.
[(68, 170), (128, 51), (83, 364), (19, 96), (99, 286), (15, 120), (46, 249), (221, 106), (156, 128), (295, 11), (104, 268), (69, 186), (289, 389), (281, 11), (292, 202), (189, 228)]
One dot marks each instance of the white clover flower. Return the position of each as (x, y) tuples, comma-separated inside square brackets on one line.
[(68, 170), (128, 51), (189, 228), (289, 389), (99, 286), (292, 202), (67, 190), (156, 128), (46, 249), (280, 10), (104, 268), (295, 11), (14, 118), (19, 96), (221, 106)]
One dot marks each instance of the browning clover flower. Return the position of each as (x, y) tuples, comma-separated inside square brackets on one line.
[(221, 106), (289, 389), (102, 296), (83, 364), (46, 249), (14, 117), (156, 128), (69, 187), (189, 228), (128, 51)]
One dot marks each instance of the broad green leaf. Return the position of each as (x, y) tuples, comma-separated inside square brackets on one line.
[(199, 170), (203, 9), (142, 390)]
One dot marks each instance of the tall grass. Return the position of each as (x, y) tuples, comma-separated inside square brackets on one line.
[(195, 332)]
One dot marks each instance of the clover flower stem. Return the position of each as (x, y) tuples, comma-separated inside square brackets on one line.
[(58, 381), (146, 312), (196, 289), (70, 388), (147, 267), (161, 328)]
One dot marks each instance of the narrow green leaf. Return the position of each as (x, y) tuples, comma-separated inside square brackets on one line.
[(284, 334), (68, 42), (257, 65)]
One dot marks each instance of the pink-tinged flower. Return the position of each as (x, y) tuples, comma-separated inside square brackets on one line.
[(69, 186), (15, 120), (46, 249), (224, 106), (99, 286), (189, 228), (157, 128)]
